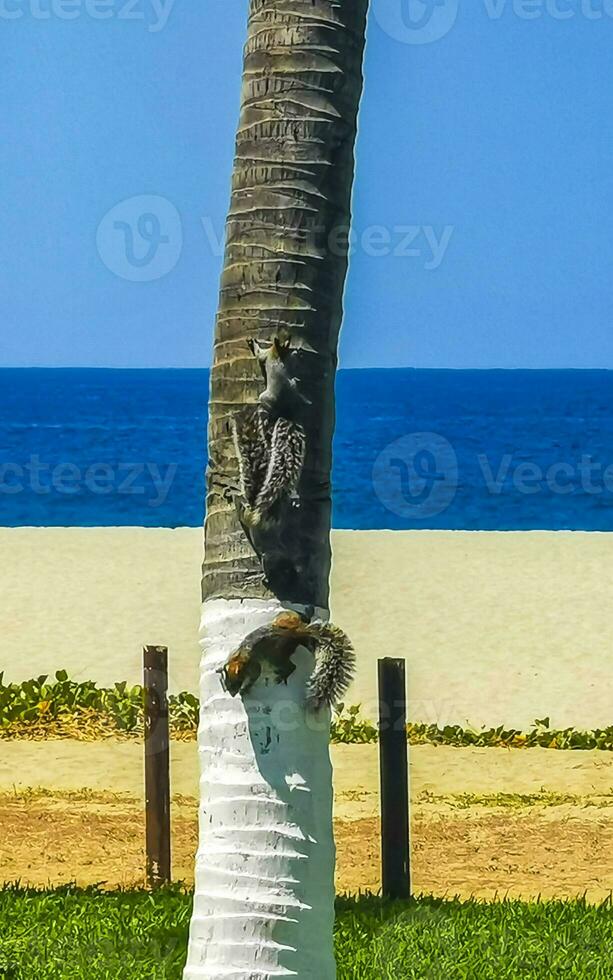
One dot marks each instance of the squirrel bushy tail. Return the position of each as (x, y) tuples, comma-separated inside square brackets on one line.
[(334, 668), (270, 459)]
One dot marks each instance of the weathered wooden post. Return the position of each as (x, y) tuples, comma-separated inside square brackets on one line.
[(157, 765), (394, 769)]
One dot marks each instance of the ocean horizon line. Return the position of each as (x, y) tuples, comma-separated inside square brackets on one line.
[(374, 531), (341, 369)]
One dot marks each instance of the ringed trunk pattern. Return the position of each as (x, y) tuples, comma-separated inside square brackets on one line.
[(285, 267), (264, 902)]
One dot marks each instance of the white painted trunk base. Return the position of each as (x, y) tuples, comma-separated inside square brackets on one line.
[(264, 900)]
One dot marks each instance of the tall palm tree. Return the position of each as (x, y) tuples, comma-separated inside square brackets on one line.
[(264, 901)]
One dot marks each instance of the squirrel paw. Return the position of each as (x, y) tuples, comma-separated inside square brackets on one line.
[(251, 516)]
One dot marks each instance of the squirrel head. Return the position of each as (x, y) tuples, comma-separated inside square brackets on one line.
[(281, 347), (281, 395), (237, 671), (278, 350)]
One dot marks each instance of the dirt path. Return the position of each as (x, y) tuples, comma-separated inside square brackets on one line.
[(555, 851), (484, 821)]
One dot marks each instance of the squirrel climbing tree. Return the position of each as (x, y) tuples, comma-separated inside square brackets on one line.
[(270, 442)]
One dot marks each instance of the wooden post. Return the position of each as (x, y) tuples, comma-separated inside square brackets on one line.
[(157, 766), (393, 748)]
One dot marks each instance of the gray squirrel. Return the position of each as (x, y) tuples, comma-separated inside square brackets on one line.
[(275, 645), (269, 440)]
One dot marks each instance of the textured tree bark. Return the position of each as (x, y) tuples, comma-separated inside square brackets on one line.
[(264, 902), (264, 895), (285, 266)]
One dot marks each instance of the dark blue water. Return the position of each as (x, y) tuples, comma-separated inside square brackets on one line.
[(476, 450)]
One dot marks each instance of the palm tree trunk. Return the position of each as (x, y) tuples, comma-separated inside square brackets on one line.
[(264, 903)]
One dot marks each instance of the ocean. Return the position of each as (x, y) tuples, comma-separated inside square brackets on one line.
[(458, 450)]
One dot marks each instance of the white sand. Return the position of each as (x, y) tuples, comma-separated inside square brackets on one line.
[(496, 628)]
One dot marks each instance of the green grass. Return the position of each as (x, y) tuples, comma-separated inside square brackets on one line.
[(40, 709), (518, 801), (90, 935)]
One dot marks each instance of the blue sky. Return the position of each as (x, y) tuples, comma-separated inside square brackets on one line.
[(482, 206)]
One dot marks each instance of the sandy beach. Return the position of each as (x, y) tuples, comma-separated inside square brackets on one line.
[(496, 627)]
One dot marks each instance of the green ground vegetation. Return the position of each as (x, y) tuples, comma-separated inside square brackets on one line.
[(62, 708), (71, 934)]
